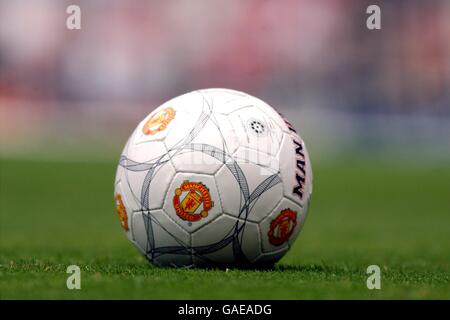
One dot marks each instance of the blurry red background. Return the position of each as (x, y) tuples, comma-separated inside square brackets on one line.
[(316, 61)]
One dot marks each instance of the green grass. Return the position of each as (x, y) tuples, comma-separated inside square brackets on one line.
[(393, 214)]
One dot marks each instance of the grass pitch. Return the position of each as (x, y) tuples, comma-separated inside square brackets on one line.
[(363, 212)]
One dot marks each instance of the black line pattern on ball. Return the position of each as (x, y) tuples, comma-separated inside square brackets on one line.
[(248, 200)]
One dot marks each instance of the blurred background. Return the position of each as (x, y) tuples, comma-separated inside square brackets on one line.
[(64, 93)]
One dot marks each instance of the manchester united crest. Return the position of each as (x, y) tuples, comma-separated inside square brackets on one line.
[(282, 226), (192, 201), (159, 121), (121, 212)]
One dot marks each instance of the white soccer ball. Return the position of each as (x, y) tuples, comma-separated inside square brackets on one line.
[(213, 177)]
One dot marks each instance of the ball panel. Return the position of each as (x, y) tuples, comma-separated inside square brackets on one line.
[(157, 124), (226, 240), (255, 130), (168, 116), (148, 172), (161, 239), (123, 204), (249, 239), (190, 120), (295, 169), (249, 186), (301, 219), (123, 211), (189, 161), (271, 113), (207, 150), (192, 200), (281, 226), (268, 259), (138, 225)]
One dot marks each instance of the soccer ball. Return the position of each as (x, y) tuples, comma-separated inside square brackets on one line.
[(214, 177)]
